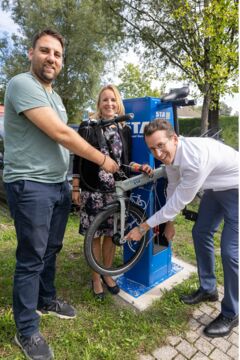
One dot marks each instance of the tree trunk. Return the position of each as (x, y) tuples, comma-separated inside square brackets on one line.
[(206, 87), (213, 117), (205, 111)]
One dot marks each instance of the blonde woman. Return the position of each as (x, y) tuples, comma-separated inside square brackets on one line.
[(111, 141)]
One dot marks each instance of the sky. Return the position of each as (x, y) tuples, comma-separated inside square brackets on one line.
[(7, 25)]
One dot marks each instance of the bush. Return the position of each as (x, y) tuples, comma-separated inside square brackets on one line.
[(228, 124)]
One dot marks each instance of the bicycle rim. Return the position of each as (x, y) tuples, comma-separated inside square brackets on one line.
[(125, 255)]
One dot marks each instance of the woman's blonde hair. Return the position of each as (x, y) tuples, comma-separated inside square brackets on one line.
[(120, 107)]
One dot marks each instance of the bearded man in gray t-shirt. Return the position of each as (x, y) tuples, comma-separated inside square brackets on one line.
[(37, 141)]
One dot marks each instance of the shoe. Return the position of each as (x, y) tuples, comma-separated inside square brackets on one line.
[(199, 296), (58, 308), (114, 290), (99, 296), (34, 347), (221, 326)]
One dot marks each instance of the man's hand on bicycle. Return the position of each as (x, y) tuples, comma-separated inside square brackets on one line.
[(138, 232)]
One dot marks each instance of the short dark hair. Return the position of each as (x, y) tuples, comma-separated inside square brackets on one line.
[(158, 124), (50, 32)]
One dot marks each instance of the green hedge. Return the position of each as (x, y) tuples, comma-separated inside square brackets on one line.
[(228, 124)]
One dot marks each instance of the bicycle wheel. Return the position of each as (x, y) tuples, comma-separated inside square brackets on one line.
[(126, 254)]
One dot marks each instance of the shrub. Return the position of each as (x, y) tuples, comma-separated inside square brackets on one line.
[(228, 124)]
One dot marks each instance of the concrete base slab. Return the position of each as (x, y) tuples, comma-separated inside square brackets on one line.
[(145, 300)]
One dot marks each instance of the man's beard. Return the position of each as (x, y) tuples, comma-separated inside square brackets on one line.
[(43, 75), (47, 78)]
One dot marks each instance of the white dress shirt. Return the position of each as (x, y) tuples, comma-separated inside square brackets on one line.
[(199, 164)]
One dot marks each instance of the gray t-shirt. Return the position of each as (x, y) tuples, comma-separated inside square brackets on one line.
[(29, 153)]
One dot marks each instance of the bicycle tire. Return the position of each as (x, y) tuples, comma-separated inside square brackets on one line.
[(137, 249)]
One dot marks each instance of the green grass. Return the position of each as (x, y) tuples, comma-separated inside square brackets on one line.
[(102, 331)]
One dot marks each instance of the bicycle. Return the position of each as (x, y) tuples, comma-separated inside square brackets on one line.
[(126, 215)]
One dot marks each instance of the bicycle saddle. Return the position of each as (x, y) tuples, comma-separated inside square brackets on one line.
[(174, 94)]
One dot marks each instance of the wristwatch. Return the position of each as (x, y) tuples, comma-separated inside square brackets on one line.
[(142, 230)]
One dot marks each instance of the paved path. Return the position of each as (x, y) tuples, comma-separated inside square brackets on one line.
[(194, 345)]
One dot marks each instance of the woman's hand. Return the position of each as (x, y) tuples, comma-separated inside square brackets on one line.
[(76, 197), (146, 169)]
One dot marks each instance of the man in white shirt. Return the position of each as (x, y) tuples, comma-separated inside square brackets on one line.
[(194, 164)]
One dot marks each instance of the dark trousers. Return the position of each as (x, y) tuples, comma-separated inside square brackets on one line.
[(40, 212), (216, 206)]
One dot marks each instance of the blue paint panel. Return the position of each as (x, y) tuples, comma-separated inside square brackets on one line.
[(155, 264), (135, 289)]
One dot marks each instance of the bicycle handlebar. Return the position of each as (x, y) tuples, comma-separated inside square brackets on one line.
[(116, 119)]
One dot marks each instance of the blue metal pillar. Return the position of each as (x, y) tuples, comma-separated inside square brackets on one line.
[(156, 263)]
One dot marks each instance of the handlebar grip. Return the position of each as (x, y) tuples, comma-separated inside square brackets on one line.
[(184, 102), (118, 119), (104, 122)]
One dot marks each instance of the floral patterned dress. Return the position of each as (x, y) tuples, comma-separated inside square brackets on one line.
[(93, 202)]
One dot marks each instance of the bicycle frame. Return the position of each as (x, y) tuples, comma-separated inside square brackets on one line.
[(129, 184)]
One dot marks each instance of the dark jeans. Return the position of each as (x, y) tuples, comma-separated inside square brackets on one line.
[(216, 206), (40, 212)]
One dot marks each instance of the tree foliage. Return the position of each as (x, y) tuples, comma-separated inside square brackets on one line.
[(4, 53), (198, 37), (91, 34), (224, 109), (136, 82)]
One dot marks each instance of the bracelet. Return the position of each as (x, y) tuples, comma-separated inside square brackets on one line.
[(75, 187), (105, 156), (75, 190)]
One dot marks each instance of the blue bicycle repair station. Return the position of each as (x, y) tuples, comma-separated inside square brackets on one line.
[(156, 264)]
